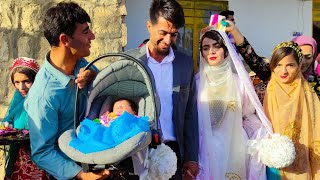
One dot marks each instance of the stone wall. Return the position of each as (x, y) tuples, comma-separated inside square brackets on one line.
[(21, 34)]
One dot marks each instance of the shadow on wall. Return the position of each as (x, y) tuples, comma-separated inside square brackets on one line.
[(21, 35)]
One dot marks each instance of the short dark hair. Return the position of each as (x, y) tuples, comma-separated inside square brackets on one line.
[(226, 13), (170, 10), (62, 18), (280, 53), (132, 104), (31, 74), (217, 37)]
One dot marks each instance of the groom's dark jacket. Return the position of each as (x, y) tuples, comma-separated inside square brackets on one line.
[(184, 115)]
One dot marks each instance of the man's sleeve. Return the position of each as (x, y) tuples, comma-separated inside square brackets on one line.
[(43, 124), (191, 131), (256, 63)]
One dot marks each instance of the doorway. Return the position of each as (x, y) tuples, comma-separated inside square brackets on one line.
[(197, 16)]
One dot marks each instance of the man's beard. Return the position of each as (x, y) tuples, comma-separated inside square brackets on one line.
[(162, 51)]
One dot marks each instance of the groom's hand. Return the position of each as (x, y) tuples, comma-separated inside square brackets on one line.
[(190, 170)]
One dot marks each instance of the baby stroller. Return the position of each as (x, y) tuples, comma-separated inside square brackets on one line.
[(125, 78)]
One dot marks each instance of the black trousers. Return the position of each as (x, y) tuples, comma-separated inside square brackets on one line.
[(175, 147)]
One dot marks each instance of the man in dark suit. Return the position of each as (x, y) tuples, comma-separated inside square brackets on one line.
[(173, 74)]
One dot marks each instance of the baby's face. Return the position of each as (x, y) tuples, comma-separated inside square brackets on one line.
[(122, 105)]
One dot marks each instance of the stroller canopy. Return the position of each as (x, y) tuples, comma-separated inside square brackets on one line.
[(127, 78)]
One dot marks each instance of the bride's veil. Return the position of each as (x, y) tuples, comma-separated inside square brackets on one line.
[(238, 68), (217, 92)]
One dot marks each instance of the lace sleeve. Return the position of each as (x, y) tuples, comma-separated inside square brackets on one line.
[(314, 81), (256, 63)]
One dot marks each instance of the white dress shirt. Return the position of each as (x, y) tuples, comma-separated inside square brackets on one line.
[(163, 76)]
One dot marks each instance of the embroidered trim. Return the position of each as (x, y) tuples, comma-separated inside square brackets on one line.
[(232, 176), (292, 45)]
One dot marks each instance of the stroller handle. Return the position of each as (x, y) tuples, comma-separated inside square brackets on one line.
[(76, 105)]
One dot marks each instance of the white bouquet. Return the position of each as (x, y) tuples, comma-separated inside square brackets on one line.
[(277, 151), (162, 163)]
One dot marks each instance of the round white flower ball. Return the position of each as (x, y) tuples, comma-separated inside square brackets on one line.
[(277, 151), (162, 163)]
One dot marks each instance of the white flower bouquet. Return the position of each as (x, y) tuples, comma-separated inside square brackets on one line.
[(162, 163), (277, 151)]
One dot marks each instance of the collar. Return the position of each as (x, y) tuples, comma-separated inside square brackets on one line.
[(61, 77), (168, 59)]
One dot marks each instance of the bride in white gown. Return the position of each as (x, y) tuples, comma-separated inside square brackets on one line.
[(229, 111)]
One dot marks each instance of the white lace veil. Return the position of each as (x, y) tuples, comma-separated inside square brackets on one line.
[(218, 92)]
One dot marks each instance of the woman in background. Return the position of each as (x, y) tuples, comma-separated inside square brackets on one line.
[(261, 67), (294, 110), (18, 163)]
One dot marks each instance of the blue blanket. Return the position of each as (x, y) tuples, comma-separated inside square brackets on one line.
[(94, 137)]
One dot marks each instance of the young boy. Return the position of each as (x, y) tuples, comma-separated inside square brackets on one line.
[(49, 103)]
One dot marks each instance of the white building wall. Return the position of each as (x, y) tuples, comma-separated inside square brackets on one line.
[(136, 21), (264, 22)]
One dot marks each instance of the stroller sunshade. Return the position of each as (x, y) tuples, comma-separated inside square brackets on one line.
[(126, 78)]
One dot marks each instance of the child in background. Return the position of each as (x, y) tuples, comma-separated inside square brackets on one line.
[(317, 64)]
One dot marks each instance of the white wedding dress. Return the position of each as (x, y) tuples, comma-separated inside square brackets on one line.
[(223, 150), (227, 108)]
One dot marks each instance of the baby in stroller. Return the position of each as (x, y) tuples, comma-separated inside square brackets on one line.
[(118, 108), (127, 78), (111, 129), (123, 104)]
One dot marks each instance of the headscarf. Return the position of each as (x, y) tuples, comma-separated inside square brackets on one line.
[(221, 116), (294, 111), (307, 40), (16, 114), (317, 64)]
